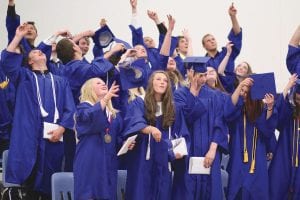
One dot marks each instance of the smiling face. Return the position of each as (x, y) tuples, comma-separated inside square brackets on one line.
[(99, 87), (31, 32), (84, 45), (242, 69), (182, 45)]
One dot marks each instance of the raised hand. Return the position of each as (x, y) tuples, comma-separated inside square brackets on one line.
[(232, 11), (171, 23)]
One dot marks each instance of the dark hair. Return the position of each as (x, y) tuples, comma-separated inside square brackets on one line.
[(65, 51), (168, 109), (86, 38), (253, 108), (33, 24)]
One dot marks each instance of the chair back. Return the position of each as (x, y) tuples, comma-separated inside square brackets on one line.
[(62, 185), (122, 176), (4, 165)]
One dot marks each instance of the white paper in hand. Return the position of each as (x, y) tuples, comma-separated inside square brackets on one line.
[(126, 144), (179, 146), (48, 127), (196, 166)]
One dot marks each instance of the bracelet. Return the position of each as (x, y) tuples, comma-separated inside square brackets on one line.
[(269, 109)]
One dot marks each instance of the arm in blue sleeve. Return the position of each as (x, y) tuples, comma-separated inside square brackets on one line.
[(293, 60)]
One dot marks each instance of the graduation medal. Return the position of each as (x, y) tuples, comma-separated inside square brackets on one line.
[(107, 138)]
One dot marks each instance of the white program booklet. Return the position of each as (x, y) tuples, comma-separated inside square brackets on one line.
[(48, 127), (196, 166), (179, 146), (126, 144)]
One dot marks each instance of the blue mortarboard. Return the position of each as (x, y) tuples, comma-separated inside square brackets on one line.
[(262, 84), (104, 37), (198, 64), (133, 76)]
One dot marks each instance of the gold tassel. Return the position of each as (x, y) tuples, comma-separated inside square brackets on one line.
[(252, 168), (3, 84), (296, 162), (246, 159)]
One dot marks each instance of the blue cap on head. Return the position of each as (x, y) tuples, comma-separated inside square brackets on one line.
[(198, 64), (262, 84)]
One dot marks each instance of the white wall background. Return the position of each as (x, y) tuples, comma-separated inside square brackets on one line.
[(267, 24)]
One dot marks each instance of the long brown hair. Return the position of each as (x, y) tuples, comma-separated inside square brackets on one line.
[(253, 108), (168, 109)]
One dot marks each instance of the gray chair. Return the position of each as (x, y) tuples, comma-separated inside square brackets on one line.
[(122, 176), (62, 186)]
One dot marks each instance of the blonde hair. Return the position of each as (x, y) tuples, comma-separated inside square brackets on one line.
[(89, 95), (135, 92)]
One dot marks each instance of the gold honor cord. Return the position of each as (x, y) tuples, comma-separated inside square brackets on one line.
[(246, 159), (295, 159), (297, 145), (252, 167)]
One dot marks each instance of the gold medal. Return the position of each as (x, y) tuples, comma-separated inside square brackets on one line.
[(107, 138)]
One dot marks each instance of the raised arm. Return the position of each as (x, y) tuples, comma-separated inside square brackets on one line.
[(290, 84), (235, 96), (295, 40), (165, 48), (186, 35), (160, 25), (232, 11), (224, 62), (20, 33)]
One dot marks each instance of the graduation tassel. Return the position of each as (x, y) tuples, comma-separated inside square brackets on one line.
[(252, 166), (296, 162), (246, 158)]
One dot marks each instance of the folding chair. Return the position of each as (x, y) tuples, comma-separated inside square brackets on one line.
[(4, 165), (62, 184), (122, 176), (224, 176)]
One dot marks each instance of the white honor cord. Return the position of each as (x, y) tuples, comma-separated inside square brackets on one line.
[(43, 111), (148, 147)]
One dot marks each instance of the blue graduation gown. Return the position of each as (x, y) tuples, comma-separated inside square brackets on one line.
[(293, 60), (204, 119), (7, 101), (284, 176), (28, 149), (148, 179), (236, 48), (111, 149), (254, 185), (91, 174), (78, 71)]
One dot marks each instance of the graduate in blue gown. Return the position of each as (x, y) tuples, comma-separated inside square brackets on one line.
[(284, 170), (41, 97), (202, 111), (97, 127), (156, 122), (293, 55), (251, 123)]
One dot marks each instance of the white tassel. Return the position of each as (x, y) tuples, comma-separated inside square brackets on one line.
[(43, 111)]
